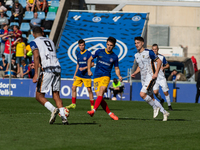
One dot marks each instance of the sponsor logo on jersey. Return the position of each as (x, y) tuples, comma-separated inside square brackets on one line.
[(105, 63), (97, 43), (33, 47), (96, 19), (136, 18)]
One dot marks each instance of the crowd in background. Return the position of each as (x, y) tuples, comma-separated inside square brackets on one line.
[(20, 59)]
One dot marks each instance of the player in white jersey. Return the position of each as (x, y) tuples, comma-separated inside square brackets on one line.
[(161, 80), (49, 80), (145, 59)]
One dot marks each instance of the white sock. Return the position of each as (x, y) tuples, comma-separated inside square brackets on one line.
[(159, 96), (49, 106), (150, 101), (168, 100), (94, 110), (160, 106), (110, 113), (62, 112)]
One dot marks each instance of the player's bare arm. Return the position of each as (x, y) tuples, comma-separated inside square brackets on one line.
[(89, 65), (77, 66), (83, 68), (117, 71), (136, 72), (36, 62), (159, 63)]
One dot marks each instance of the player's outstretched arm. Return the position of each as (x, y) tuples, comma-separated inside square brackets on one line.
[(136, 72), (89, 64), (117, 71), (36, 62)]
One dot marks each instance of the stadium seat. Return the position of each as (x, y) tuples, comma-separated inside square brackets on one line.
[(28, 15), (25, 27), (55, 3), (51, 16), (24, 35), (14, 23), (9, 3), (30, 38), (53, 9), (46, 30), (23, 3), (8, 14), (41, 15)]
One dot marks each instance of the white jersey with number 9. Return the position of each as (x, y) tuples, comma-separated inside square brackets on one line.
[(47, 52)]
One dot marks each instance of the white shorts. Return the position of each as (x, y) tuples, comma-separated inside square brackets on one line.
[(147, 86), (48, 82), (163, 84)]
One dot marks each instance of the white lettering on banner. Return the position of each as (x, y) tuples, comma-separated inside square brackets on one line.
[(3, 85), (5, 92), (77, 90), (63, 90), (84, 92)]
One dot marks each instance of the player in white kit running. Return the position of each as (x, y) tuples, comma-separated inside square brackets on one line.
[(145, 59), (49, 80), (161, 80)]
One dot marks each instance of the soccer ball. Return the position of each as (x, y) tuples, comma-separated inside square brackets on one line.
[(66, 112), (114, 98)]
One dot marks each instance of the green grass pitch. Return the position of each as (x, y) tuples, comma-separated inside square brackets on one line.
[(24, 126)]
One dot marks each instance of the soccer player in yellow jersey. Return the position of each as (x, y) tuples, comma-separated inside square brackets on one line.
[(81, 75), (106, 58)]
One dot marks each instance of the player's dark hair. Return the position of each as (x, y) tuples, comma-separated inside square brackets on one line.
[(139, 38), (112, 40), (37, 30), (115, 80), (155, 45), (81, 41)]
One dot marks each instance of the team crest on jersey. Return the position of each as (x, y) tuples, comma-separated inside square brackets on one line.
[(143, 56), (84, 58), (33, 47), (111, 60)]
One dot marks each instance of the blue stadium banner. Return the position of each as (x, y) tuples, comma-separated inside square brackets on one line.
[(26, 88), (95, 28)]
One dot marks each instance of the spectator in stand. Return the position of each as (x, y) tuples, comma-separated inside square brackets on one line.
[(30, 5), (31, 70), (17, 11), (41, 5), (3, 66), (176, 76), (2, 8), (3, 33), (28, 54), (3, 20), (25, 70), (17, 33), (35, 22), (2, 2), (14, 67), (116, 87), (20, 50), (7, 48), (194, 61)]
